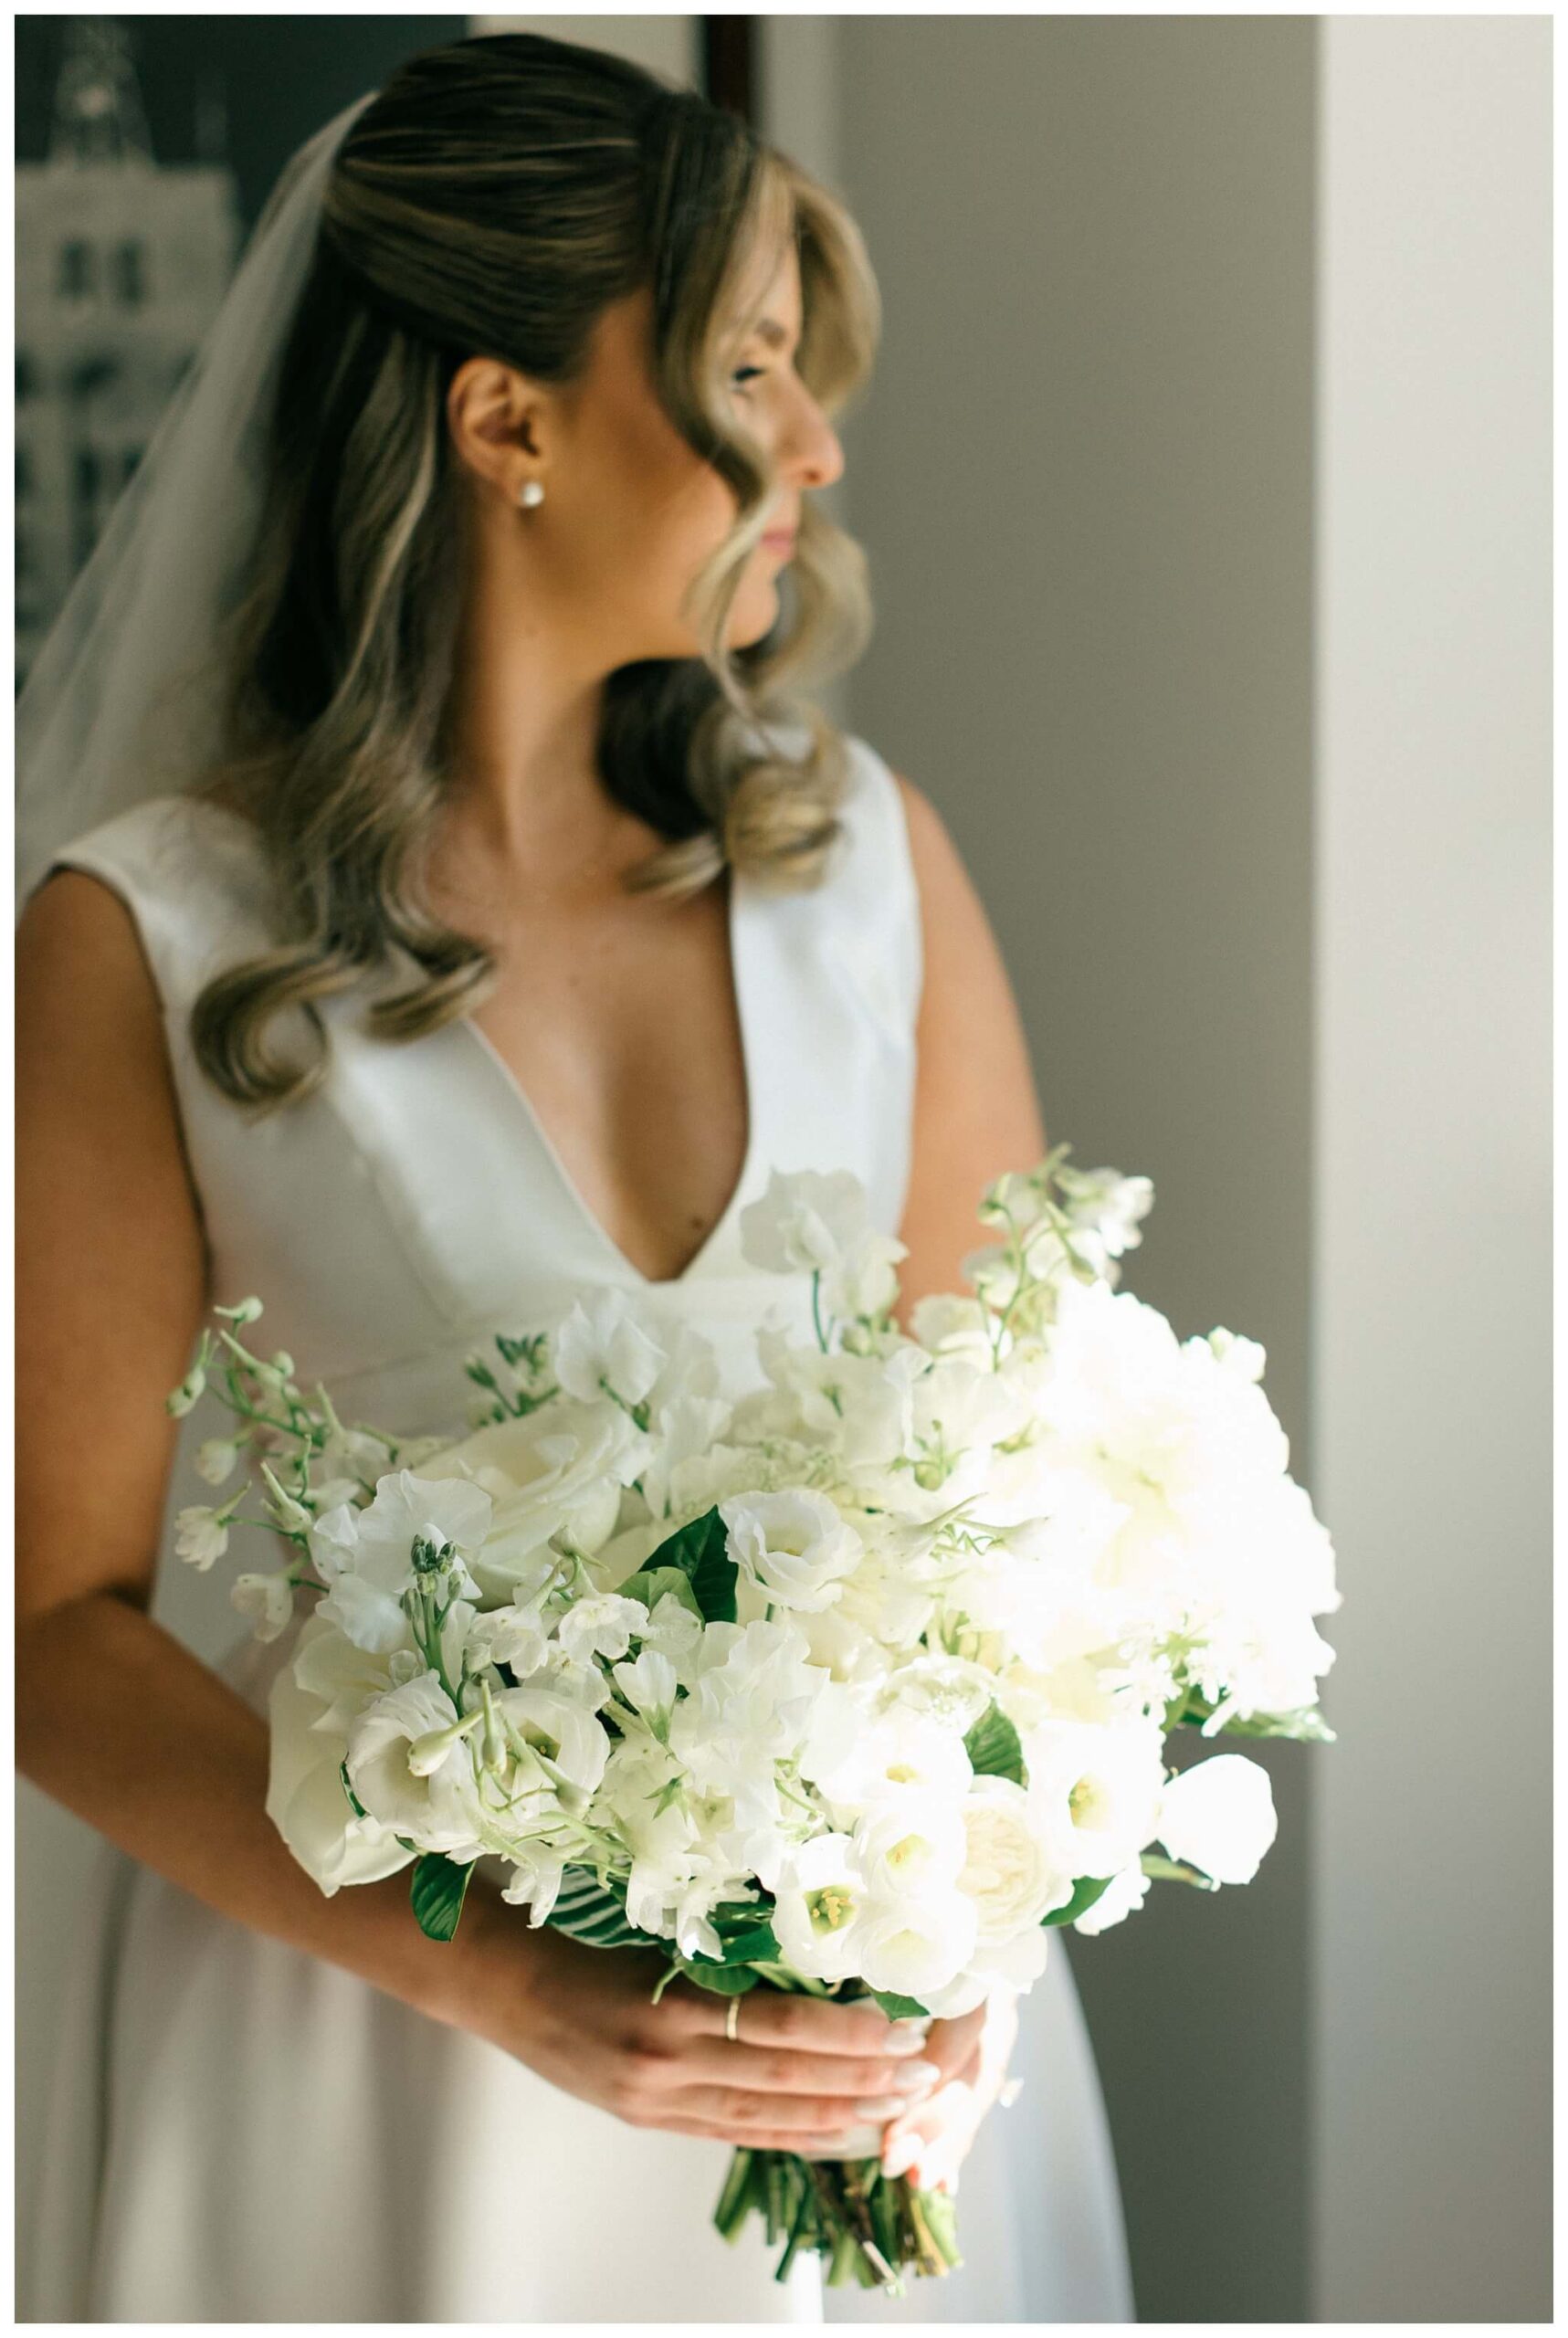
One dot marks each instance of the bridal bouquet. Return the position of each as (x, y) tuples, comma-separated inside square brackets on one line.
[(859, 1684)]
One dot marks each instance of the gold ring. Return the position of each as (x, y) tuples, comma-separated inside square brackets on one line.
[(733, 2021)]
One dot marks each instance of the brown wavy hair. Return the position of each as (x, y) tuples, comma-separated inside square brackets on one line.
[(493, 199)]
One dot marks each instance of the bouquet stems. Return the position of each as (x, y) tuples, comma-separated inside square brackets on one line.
[(870, 2228)]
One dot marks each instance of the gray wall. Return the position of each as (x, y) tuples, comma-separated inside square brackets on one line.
[(1085, 480), (1432, 1337)]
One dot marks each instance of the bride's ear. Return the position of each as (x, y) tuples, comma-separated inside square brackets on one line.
[(499, 423)]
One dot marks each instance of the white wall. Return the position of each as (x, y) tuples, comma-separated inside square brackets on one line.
[(1431, 1273)]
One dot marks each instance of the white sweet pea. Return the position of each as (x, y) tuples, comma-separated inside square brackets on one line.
[(1245, 1357), (517, 1636), (821, 1906), (1220, 1815), (793, 1545), (1014, 1870), (649, 1685), (534, 1882), (1125, 1892), (437, 1808), (600, 1624), (863, 1281), (806, 1221), (366, 1556), (269, 1599), (601, 1349)]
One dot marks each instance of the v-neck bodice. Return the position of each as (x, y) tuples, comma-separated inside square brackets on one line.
[(414, 1205)]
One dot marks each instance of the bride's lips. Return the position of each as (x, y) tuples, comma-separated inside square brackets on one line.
[(782, 541)]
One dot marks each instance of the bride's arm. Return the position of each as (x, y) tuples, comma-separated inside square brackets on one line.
[(976, 1114), (118, 1720)]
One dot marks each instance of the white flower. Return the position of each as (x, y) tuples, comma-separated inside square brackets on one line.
[(1098, 1789), (366, 1556), (601, 1624), (649, 1686), (1126, 1891), (535, 1881), (437, 1808), (793, 1545), (601, 1347), (821, 1903), (201, 1535), (269, 1598), (218, 1458), (1246, 1357), (1013, 1871), (1220, 1815), (312, 1702), (561, 1727), (910, 1848), (805, 1221), (861, 1762), (911, 1944), (561, 1470), (863, 1281)]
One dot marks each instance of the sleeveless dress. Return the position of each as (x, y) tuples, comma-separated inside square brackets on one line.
[(239, 2132)]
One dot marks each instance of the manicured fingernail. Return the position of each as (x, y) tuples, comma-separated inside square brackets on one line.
[(920, 2074), (887, 2106), (901, 2155), (906, 2037)]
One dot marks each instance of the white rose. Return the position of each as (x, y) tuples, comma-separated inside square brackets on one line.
[(561, 1469), (793, 1545), (1220, 1815), (1013, 1872)]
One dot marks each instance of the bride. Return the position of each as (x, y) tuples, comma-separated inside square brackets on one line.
[(433, 907)]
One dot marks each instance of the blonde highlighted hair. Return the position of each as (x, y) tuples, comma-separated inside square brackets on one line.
[(493, 199)]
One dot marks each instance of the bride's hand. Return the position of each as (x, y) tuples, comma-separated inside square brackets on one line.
[(798, 2075), (930, 2143)]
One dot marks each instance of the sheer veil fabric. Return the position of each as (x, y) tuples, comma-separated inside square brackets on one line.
[(238, 2131)]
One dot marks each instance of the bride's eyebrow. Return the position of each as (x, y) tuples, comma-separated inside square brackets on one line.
[(766, 329)]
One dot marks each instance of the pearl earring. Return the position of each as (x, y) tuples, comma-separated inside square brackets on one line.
[(530, 494)]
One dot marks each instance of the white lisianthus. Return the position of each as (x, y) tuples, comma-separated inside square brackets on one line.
[(821, 1908), (913, 1943), (600, 1349), (218, 1458), (1126, 1891), (862, 1763), (909, 1849), (806, 1222), (439, 1807), (1012, 1870), (560, 1727), (1220, 1815), (1099, 1787), (305, 1798), (201, 1535), (793, 1545), (268, 1599)]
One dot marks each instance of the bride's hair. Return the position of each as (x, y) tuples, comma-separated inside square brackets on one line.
[(492, 200)]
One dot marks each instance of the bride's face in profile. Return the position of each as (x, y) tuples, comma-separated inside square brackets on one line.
[(630, 512)]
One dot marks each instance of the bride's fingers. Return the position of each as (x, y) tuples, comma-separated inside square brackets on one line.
[(743, 2117), (715, 2062), (801, 2025), (950, 2043)]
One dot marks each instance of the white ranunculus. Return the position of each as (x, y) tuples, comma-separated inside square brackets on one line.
[(305, 1798), (910, 1945), (821, 1903), (1220, 1817), (793, 1545), (1014, 1870), (439, 1810), (806, 1222), (268, 1599), (601, 1348), (1126, 1891)]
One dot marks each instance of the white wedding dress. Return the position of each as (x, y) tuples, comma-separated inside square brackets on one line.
[(240, 2133)]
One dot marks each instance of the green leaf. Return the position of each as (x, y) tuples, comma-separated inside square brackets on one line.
[(723, 1980), (993, 1748), (899, 2009), (650, 1584), (1307, 1725), (588, 1911), (701, 1553), (356, 1804), (436, 1890), (1085, 1893)]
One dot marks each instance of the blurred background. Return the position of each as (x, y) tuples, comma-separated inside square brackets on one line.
[(1205, 479)]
